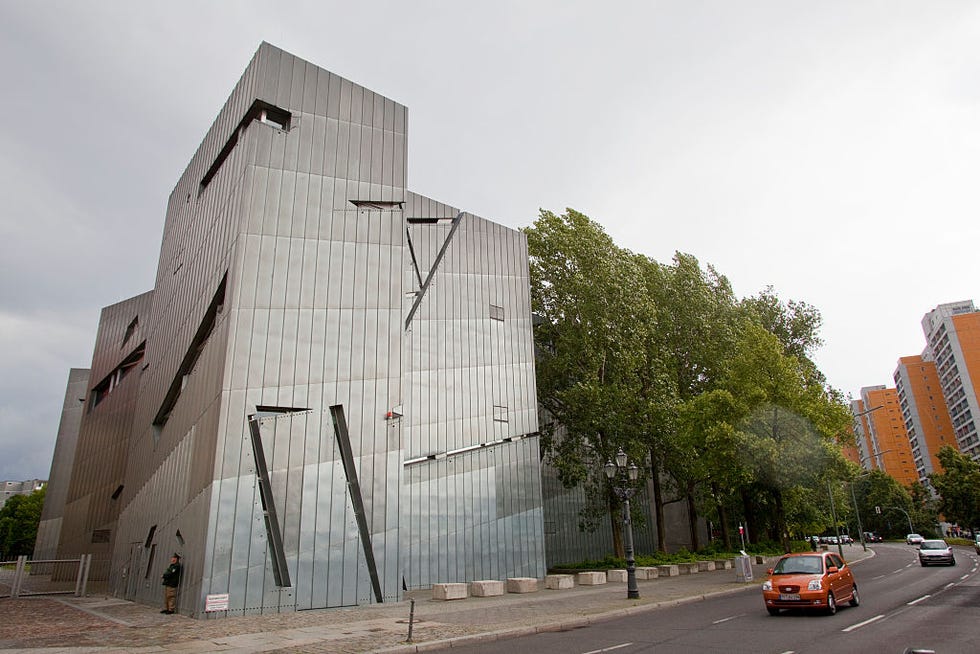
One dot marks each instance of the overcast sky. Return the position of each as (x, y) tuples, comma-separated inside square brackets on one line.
[(829, 149)]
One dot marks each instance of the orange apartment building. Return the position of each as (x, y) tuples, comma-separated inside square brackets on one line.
[(953, 335), (890, 449), (862, 437), (924, 411)]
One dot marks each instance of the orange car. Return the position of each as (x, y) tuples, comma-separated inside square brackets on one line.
[(810, 580)]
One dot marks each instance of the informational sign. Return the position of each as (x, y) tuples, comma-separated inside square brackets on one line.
[(216, 603)]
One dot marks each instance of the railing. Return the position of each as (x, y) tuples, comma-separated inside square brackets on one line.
[(21, 578)]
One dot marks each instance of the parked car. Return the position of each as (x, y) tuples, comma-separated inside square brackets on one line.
[(914, 539), (936, 551), (976, 543), (846, 539), (809, 580), (872, 537)]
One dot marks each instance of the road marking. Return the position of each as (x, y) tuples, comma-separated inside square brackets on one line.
[(949, 585), (899, 570), (878, 577), (916, 601), (964, 577), (609, 649), (728, 618), (861, 624)]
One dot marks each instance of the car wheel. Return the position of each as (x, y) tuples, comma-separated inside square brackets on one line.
[(952, 562), (855, 598), (831, 604), (772, 611), (922, 563)]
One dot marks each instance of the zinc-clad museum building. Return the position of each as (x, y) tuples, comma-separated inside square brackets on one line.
[(329, 392), (328, 397)]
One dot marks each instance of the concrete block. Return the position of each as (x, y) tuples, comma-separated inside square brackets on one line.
[(591, 578), (723, 564), (647, 572), (522, 585), (486, 588), (706, 566), (759, 559), (687, 568), (616, 576), (559, 582), (449, 591), (668, 570)]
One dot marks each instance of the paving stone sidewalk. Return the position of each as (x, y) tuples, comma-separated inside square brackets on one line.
[(101, 625)]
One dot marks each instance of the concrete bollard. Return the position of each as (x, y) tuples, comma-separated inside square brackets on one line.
[(486, 588), (522, 585), (591, 578), (449, 591), (647, 572), (706, 566), (616, 576), (559, 582), (668, 570)]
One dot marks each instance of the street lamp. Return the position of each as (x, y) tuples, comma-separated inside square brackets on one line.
[(624, 492), (833, 514), (907, 517), (857, 513)]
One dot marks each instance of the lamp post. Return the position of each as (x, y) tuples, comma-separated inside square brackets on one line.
[(857, 514), (833, 514), (907, 516), (624, 491)]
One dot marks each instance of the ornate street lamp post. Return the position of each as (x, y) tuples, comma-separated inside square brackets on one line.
[(624, 491)]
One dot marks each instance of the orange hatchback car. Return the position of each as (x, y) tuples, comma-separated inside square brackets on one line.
[(810, 580)]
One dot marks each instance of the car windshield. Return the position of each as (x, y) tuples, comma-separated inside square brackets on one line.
[(810, 565), (933, 545)]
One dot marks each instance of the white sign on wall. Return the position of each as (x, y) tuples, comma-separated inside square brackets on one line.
[(216, 603)]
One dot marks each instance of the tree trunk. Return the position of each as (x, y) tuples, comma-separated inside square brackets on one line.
[(749, 511), (692, 518), (726, 536), (658, 502), (619, 550), (781, 520)]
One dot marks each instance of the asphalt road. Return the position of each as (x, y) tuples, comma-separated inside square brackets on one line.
[(903, 605)]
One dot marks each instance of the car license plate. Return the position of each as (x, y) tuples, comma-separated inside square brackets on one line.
[(786, 597)]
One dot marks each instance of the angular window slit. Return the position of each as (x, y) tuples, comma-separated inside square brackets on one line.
[(192, 355)]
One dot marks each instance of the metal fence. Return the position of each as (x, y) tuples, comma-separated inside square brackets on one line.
[(22, 577)]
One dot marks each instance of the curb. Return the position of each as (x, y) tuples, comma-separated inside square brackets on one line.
[(560, 625), (565, 624)]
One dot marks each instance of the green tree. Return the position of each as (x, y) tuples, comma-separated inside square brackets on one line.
[(958, 487), (591, 318), (19, 519)]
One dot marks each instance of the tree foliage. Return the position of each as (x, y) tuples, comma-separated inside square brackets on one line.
[(718, 396), (19, 520), (958, 487)]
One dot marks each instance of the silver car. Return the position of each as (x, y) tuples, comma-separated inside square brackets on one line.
[(936, 551)]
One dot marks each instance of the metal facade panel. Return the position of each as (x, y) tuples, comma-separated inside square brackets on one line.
[(313, 316)]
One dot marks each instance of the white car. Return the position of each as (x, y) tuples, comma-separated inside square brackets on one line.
[(914, 539)]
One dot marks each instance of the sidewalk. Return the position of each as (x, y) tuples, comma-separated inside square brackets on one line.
[(110, 626)]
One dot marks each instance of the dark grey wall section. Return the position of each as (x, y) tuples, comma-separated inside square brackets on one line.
[(49, 529)]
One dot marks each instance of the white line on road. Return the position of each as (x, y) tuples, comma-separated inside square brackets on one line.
[(609, 649), (964, 576), (916, 601), (861, 624), (899, 570), (949, 585), (732, 617)]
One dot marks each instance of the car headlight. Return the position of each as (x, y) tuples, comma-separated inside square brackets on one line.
[(767, 585), (815, 584)]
